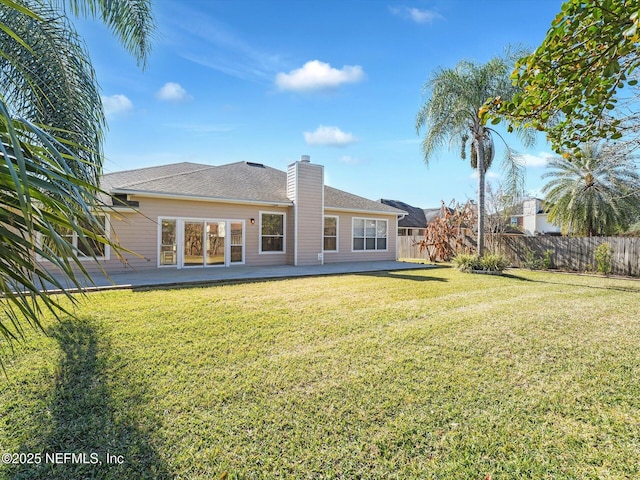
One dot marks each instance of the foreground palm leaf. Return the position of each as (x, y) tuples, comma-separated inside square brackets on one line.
[(40, 195), (51, 130), (53, 83)]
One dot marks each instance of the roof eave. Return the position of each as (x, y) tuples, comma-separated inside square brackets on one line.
[(363, 210), (198, 198)]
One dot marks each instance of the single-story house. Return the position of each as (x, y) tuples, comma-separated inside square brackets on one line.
[(186, 215)]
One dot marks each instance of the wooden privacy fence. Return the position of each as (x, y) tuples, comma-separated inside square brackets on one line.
[(407, 249), (574, 253), (568, 253)]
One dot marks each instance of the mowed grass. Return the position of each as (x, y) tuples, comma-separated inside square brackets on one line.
[(429, 374)]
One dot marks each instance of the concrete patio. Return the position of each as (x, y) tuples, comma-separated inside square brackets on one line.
[(169, 277)]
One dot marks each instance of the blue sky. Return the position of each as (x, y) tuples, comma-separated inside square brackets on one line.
[(339, 80)]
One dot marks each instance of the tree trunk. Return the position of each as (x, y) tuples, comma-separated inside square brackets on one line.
[(481, 199)]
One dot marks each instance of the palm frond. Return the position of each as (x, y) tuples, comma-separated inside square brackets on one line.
[(451, 113), (41, 195), (53, 82), (130, 20), (594, 193)]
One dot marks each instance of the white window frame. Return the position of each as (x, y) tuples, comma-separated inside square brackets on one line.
[(74, 242), (337, 233), (180, 241), (284, 233), (365, 219), (244, 241)]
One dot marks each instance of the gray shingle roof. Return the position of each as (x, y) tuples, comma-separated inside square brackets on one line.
[(415, 216), (241, 181)]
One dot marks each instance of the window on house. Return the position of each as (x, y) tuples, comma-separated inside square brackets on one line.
[(168, 243), (237, 242), (89, 247), (330, 234), (272, 232), (369, 234), (85, 247)]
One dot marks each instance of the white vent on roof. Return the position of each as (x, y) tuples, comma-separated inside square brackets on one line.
[(305, 159)]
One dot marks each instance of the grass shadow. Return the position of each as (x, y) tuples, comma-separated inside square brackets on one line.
[(198, 284), (404, 275), (518, 278), (627, 289), (83, 419)]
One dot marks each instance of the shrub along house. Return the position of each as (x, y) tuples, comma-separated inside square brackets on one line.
[(188, 215)]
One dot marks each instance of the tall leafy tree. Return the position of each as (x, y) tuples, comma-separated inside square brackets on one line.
[(51, 129), (595, 193), (454, 112), (570, 84)]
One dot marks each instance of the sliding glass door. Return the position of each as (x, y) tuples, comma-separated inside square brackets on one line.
[(193, 244), (215, 235), (201, 242)]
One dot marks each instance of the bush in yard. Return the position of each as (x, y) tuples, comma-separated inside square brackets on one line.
[(493, 263), (604, 255), (535, 262), (466, 262), (531, 261), (490, 263)]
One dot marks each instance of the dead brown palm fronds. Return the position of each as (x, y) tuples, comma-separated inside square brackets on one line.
[(449, 233)]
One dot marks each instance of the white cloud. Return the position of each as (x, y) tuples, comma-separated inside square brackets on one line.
[(331, 136), (317, 75), (173, 92), (116, 104), (535, 161), (415, 14)]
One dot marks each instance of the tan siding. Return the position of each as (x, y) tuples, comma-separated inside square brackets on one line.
[(345, 239), (138, 232), (308, 205)]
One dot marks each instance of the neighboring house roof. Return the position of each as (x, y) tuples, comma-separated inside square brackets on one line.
[(415, 217), (235, 182)]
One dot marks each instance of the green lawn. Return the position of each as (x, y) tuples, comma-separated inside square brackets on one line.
[(419, 374)]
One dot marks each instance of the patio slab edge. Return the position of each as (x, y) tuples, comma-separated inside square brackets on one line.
[(245, 276)]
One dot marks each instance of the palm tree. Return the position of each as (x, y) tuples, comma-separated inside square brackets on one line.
[(51, 130), (452, 113), (595, 193)]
